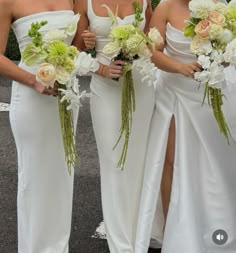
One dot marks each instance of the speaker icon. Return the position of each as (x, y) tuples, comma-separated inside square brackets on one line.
[(220, 237)]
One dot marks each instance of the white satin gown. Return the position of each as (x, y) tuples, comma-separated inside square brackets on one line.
[(121, 190), (204, 190), (44, 201)]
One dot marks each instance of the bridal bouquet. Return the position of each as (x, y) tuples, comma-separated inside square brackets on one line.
[(130, 44), (212, 27), (57, 65)]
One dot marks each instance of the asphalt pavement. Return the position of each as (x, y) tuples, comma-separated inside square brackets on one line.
[(87, 211)]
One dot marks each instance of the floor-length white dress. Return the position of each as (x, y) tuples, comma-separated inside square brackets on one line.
[(120, 189), (44, 201), (204, 190)]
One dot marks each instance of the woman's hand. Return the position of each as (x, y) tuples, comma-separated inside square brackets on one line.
[(188, 69), (114, 70), (89, 39), (44, 90)]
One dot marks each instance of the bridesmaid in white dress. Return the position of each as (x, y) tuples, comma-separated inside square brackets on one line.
[(188, 160), (120, 189), (45, 188)]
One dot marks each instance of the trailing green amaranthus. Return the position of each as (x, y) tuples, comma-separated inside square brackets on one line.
[(130, 44)]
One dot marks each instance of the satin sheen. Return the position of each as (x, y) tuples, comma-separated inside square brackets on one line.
[(44, 200), (204, 190), (120, 189)]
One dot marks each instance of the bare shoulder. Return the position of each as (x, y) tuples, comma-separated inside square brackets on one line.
[(6, 10), (7, 4), (162, 9), (81, 6)]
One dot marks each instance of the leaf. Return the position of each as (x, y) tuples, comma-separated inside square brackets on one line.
[(189, 30), (111, 14), (32, 54)]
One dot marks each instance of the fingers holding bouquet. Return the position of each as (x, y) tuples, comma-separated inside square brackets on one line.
[(89, 39), (189, 69), (112, 71), (115, 69), (45, 80), (44, 90)]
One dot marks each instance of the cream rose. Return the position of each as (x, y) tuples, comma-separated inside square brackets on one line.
[(46, 74), (216, 18), (202, 28)]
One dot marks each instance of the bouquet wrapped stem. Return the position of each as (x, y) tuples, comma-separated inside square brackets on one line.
[(58, 64), (67, 129), (127, 109), (129, 43), (214, 97), (212, 27)]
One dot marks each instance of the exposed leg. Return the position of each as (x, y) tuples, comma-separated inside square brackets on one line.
[(167, 176)]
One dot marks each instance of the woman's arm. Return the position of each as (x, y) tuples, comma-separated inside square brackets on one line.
[(159, 20), (148, 15), (114, 70), (7, 67), (84, 39)]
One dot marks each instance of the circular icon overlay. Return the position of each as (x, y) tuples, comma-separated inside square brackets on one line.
[(220, 237)]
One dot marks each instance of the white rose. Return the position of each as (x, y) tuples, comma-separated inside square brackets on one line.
[(54, 34), (62, 75), (46, 74), (155, 36)]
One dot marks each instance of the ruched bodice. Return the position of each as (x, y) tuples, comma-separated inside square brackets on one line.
[(102, 27), (177, 45), (202, 198), (178, 48)]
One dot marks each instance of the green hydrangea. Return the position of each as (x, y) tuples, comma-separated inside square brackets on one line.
[(72, 51), (230, 15), (215, 31), (122, 32), (69, 65), (133, 43)]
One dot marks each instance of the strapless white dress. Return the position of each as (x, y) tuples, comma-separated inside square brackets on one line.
[(121, 190), (44, 201), (204, 190)]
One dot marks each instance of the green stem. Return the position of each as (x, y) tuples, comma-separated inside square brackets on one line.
[(127, 109), (214, 96), (67, 129)]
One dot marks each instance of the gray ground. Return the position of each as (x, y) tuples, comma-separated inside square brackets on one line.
[(87, 213)]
